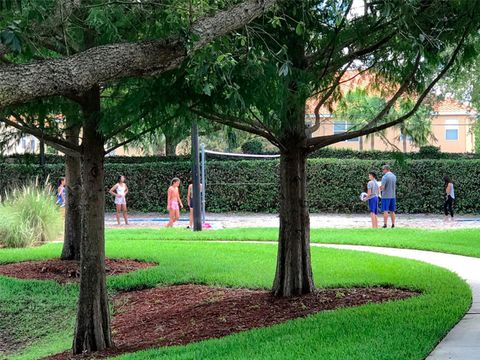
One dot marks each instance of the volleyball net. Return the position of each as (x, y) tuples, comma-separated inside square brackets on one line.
[(219, 155)]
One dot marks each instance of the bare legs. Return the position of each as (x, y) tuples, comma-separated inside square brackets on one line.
[(125, 213), (191, 218), (174, 215), (385, 218), (122, 208), (374, 218)]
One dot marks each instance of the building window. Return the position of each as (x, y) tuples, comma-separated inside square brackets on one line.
[(340, 127), (402, 137), (451, 134), (451, 130)]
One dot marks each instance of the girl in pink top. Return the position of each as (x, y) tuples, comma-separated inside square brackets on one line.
[(174, 203)]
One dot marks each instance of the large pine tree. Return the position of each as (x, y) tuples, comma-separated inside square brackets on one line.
[(263, 77)]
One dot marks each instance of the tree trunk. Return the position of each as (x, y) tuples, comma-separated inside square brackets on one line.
[(404, 143), (92, 332), (73, 214), (360, 143), (170, 145), (372, 142), (294, 271)]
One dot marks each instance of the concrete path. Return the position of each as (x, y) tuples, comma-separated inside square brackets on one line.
[(463, 341)]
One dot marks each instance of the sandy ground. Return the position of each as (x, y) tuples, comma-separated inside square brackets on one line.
[(235, 220)]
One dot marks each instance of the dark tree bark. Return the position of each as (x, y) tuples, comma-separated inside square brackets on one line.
[(294, 271), (372, 142), (73, 214), (92, 332), (170, 145)]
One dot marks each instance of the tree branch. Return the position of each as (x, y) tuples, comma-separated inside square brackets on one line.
[(354, 55), (322, 141), (324, 98), (237, 124), (332, 43), (4, 50), (78, 73), (140, 134), (397, 94), (57, 143)]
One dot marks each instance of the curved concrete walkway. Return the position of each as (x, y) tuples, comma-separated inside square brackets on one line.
[(463, 341)]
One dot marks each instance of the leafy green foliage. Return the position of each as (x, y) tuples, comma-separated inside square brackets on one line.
[(55, 28), (300, 52), (10, 37), (28, 215), (424, 153), (252, 146)]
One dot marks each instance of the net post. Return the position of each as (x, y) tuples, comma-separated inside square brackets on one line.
[(197, 219), (204, 181)]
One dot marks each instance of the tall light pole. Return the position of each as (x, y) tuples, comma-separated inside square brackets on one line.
[(197, 203)]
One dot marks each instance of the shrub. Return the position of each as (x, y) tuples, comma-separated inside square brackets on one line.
[(425, 153), (430, 151), (253, 146), (28, 215)]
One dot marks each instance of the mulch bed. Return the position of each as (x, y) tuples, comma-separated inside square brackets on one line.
[(65, 271), (177, 315)]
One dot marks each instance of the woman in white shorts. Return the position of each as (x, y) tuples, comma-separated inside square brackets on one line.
[(120, 191)]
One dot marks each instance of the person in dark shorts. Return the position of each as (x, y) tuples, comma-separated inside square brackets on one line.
[(449, 198), (190, 201), (389, 189), (372, 197)]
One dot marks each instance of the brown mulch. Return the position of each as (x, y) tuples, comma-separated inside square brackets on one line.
[(178, 315), (65, 271)]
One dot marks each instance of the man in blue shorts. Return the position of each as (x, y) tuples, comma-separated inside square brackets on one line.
[(388, 188)]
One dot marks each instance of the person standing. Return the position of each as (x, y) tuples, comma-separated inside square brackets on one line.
[(120, 191), (372, 198), (61, 193), (388, 188), (190, 202), (449, 198), (174, 202)]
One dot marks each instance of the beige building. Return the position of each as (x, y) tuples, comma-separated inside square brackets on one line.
[(452, 127)]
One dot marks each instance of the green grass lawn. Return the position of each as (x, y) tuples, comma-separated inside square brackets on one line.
[(463, 242), (42, 313)]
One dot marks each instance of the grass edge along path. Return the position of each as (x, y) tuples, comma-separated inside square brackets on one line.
[(459, 241), (407, 329)]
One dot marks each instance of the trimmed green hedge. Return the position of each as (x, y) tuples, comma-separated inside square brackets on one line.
[(334, 185), (425, 153)]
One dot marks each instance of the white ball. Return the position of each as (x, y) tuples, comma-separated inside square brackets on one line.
[(363, 196)]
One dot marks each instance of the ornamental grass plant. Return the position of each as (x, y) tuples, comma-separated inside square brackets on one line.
[(28, 215)]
